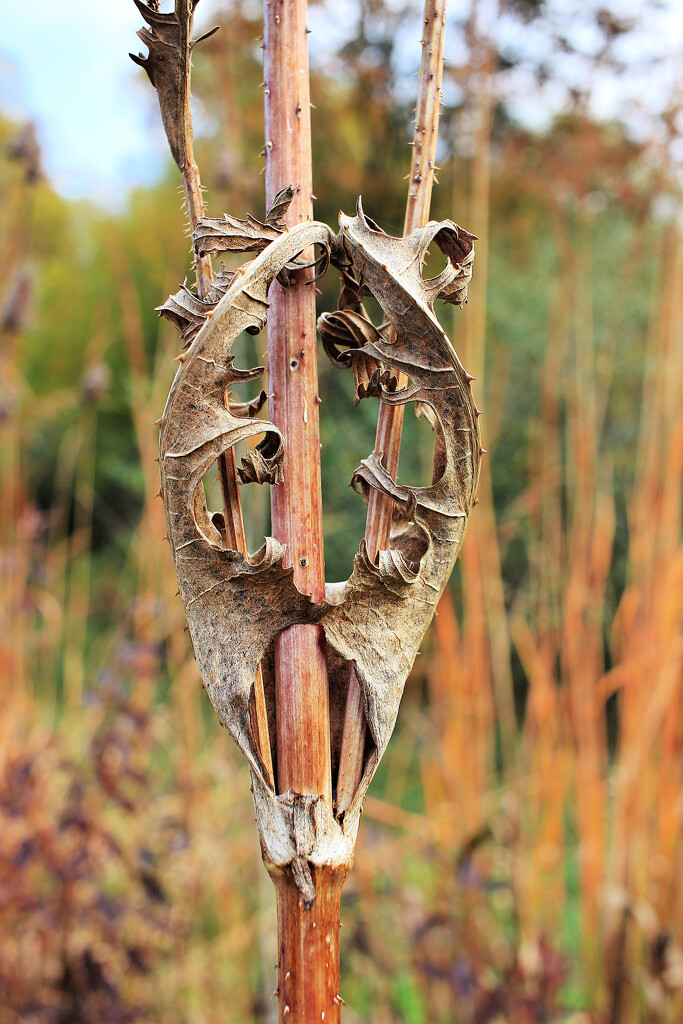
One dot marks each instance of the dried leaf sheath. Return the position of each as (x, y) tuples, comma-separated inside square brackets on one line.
[(236, 606)]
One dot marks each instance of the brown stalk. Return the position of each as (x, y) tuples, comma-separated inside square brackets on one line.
[(390, 419), (308, 935), (172, 33)]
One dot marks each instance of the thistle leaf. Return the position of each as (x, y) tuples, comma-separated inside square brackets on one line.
[(344, 335), (237, 604), (280, 205), (168, 38), (188, 313), (215, 235)]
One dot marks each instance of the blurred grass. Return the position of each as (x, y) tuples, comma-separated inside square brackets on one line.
[(520, 854)]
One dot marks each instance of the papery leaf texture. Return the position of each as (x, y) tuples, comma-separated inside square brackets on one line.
[(236, 604)]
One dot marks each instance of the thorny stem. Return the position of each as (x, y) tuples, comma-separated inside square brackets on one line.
[(308, 936), (235, 537), (390, 420), (308, 985)]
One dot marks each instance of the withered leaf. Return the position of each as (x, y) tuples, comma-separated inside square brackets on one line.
[(188, 313), (169, 43), (251, 408), (263, 464), (458, 245), (279, 206), (344, 335), (236, 604), (214, 235)]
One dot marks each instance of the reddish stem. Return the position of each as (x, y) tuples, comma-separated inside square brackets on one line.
[(390, 420), (308, 986), (308, 937)]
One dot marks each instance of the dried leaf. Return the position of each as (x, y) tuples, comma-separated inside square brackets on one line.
[(215, 235), (344, 334), (264, 463), (169, 43), (279, 206), (251, 408), (188, 313), (237, 605), (458, 245)]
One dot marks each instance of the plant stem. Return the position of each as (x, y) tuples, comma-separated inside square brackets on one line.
[(235, 537), (308, 985), (308, 936), (390, 420)]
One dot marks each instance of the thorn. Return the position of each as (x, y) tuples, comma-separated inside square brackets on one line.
[(475, 502), (177, 593), (339, 1001), (286, 1010), (477, 412), (159, 493), (275, 993), (483, 451), (468, 377), (165, 537), (181, 358), (157, 423)]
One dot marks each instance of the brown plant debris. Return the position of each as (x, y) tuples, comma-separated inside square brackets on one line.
[(168, 64), (345, 334), (215, 235), (237, 604), (188, 312)]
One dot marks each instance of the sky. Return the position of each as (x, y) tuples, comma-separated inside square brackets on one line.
[(65, 65)]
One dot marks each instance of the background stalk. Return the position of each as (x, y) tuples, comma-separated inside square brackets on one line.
[(390, 419), (235, 536), (170, 74), (308, 936)]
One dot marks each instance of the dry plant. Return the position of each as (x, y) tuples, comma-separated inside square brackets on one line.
[(283, 658), (16, 522), (573, 801)]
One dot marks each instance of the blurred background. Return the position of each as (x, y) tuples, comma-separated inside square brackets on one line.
[(520, 858)]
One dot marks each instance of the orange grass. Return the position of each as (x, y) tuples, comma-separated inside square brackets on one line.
[(482, 837)]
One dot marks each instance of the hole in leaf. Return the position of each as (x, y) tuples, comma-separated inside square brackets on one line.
[(416, 459), (374, 311), (347, 433), (254, 502), (249, 351), (435, 262)]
